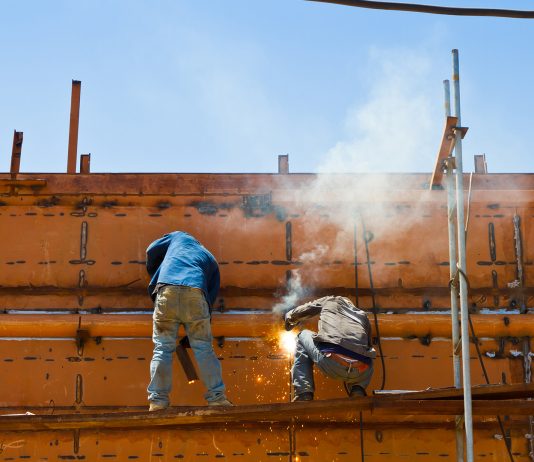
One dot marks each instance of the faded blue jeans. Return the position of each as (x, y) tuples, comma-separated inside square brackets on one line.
[(177, 305), (307, 354)]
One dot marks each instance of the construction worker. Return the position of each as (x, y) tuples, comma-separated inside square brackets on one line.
[(184, 284), (341, 349)]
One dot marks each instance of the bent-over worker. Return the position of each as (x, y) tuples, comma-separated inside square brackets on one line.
[(341, 349), (184, 284)]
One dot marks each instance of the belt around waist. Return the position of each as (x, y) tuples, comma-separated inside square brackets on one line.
[(345, 361), (194, 289)]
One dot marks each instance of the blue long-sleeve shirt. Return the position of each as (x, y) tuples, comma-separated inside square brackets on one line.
[(179, 259)]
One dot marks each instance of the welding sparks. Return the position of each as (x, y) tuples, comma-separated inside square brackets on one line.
[(288, 341)]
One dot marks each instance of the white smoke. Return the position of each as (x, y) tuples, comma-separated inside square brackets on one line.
[(296, 290), (396, 129)]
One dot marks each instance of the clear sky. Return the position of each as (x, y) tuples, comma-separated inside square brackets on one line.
[(227, 85)]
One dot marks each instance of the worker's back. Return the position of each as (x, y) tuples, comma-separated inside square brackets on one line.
[(343, 324), (179, 259)]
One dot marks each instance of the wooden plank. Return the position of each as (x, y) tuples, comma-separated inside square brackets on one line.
[(328, 410), (514, 391), (453, 407), (279, 412)]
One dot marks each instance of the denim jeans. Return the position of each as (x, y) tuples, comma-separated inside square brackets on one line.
[(307, 354), (177, 305)]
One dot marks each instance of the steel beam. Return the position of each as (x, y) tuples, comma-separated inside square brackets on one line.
[(16, 153), (248, 325), (73, 127)]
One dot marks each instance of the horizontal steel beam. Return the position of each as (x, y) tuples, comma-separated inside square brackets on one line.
[(249, 325), (223, 184)]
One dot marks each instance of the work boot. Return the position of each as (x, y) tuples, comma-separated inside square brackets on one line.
[(357, 392), (221, 402), (306, 396), (157, 407)]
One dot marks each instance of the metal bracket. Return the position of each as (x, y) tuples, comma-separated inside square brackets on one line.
[(82, 336)]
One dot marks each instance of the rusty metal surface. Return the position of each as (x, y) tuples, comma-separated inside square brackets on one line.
[(73, 126), (312, 444), (16, 152), (75, 241), (263, 324), (74, 244), (255, 371)]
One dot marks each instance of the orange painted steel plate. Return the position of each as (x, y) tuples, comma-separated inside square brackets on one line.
[(115, 372), (261, 445), (252, 325)]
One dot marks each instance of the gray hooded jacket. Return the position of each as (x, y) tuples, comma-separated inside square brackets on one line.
[(340, 323)]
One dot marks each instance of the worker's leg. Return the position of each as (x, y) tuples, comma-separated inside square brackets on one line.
[(361, 379), (350, 375), (165, 326), (196, 317), (306, 353)]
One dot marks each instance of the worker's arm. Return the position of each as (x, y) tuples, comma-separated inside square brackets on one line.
[(213, 285), (156, 253), (303, 312)]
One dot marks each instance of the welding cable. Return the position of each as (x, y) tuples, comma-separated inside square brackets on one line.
[(361, 437), (433, 9), (357, 299), (453, 282), (366, 239), (362, 452), (468, 205), (356, 284)]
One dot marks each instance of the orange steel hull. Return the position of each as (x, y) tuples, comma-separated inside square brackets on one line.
[(72, 259)]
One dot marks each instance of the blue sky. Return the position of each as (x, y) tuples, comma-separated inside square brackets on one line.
[(226, 86)]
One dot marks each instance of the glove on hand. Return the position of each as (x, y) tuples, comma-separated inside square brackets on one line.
[(288, 324)]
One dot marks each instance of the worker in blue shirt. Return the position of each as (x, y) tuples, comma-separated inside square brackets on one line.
[(184, 285)]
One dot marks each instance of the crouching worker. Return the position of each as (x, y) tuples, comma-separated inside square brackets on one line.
[(341, 349), (184, 284)]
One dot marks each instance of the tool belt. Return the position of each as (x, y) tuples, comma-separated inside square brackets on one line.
[(350, 363)]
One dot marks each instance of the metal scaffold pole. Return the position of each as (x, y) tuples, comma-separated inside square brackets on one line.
[(451, 205), (464, 315)]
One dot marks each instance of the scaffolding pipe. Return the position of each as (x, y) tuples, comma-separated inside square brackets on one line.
[(454, 288), (464, 314)]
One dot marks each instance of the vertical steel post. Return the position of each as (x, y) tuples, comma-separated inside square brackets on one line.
[(460, 220), (85, 164), (283, 164), (73, 127), (16, 152), (454, 288)]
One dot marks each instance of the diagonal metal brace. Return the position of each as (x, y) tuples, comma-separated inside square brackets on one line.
[(185, 360)]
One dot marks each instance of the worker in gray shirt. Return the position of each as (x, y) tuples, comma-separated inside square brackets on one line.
[(341, 349)]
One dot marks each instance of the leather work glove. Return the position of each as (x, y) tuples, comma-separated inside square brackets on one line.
[(288, 324)]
